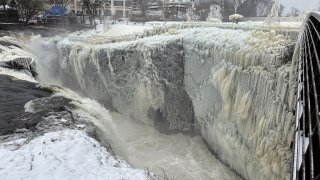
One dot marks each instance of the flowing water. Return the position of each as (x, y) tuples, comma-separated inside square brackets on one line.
[(180, 156), (176, 156)]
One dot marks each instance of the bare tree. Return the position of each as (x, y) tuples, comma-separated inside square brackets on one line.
[(144, 6), (91, 6), (203, 7), (63, 3), (294, 12), (4, 3), (236, 5), (30, 8), (243, 7), (13, 4), (281, 10)]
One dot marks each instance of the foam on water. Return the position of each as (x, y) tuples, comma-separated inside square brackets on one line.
[(179, 156)]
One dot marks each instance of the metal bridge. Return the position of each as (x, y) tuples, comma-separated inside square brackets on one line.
[(306, 162)]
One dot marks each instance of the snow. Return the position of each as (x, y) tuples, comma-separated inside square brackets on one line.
[(21, 75), (6, 6), (235, 16), (123, 29), (301, 146), (11, 52), (67, 154), (111, 31)]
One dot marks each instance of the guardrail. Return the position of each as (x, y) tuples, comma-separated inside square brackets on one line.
[(306, 159), (280, 19)]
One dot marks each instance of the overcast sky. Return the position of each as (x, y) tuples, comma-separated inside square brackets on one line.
[(300, 4)]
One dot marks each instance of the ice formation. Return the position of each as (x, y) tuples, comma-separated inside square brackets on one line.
[(243, 100), (191, 15), (215, 14), (14, 56), (274, 14), (233, 85)]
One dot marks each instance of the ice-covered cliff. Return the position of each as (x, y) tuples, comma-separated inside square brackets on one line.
[(232, 85), (242, 95)]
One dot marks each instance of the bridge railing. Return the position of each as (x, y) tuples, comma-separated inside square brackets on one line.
[(306, 163)]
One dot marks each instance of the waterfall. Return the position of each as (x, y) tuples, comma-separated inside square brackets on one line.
[(233, 86)]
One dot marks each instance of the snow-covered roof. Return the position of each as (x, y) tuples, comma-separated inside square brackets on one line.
[(1, 7), (235, 16)]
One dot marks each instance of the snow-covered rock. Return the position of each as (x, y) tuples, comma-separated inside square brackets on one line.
[(67, 154), (13, 55)]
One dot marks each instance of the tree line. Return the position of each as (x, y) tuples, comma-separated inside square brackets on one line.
[(248, 8), (29, 8)]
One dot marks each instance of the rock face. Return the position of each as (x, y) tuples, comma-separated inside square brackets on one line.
[(233, 85), (139, 80), (13, 56)]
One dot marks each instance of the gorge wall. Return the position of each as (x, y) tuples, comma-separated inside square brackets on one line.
[(234, 86)]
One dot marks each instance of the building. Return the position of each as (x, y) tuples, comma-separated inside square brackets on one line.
[(169, 9), (114, 8), (117, 9)]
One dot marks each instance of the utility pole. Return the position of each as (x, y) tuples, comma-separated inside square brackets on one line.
[(112, 8), (124, 9), (75, 6)]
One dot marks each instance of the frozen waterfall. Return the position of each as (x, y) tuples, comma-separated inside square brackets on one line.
[(233, 86)]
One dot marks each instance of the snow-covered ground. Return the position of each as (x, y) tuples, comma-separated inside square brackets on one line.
[(108, 33), (105, 32), (67, 154)]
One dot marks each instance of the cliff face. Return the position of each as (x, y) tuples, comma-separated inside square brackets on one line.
[(243, 99), (140, 80), (232, 85)]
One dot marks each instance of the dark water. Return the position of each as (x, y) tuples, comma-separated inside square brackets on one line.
[(14, 94)]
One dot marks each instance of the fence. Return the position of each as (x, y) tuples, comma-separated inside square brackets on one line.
[(306, 160), (280, 19)]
